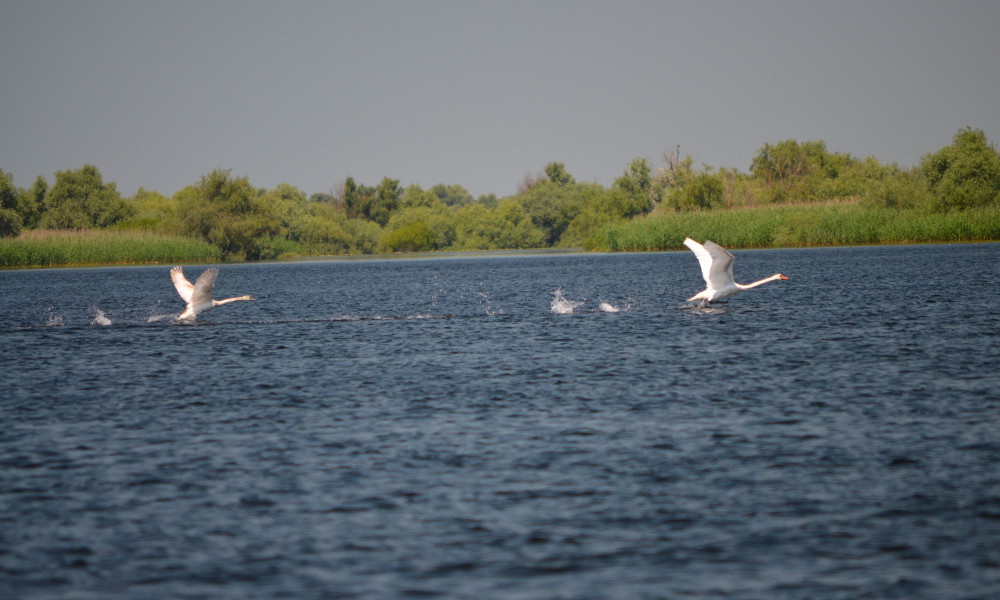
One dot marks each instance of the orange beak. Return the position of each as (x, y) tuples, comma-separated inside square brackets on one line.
[(783, 277)]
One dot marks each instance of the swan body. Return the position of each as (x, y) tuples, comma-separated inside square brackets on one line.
[(717, 269), (199, 295)]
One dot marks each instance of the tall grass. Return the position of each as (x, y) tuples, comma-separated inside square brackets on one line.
[(840, 224), (48, 248)]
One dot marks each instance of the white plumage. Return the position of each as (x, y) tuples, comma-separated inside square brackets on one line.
[(199, 295), (717, 269)]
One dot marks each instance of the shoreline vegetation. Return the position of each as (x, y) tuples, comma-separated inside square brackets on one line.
[(64, 248), (796, 194), (840, 224), (803, 226)]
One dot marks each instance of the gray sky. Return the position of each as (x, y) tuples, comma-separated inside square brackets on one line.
[(157, 94)]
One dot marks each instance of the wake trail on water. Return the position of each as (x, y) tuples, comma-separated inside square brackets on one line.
[(52, 319), (561, 305)]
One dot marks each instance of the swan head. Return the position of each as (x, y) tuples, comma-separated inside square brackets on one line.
[(780, 276)]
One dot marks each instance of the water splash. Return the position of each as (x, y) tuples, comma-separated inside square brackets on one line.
[(608, 307), (487, 304), (99, 318), (561, 305), (52, 319), (158, 318)]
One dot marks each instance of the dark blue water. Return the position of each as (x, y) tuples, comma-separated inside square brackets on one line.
[(431, 429)]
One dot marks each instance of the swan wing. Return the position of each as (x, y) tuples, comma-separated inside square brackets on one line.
[(203, 287), (184, 287), (704, 258), (720, 274)]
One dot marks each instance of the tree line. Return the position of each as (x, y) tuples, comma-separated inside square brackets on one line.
[(550, 209)]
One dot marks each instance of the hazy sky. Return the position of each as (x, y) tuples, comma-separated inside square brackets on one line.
[(157, 94)]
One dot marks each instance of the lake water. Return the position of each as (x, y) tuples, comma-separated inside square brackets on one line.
[(431, 428)]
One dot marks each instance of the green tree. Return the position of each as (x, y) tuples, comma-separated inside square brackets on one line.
[(452, 195), (357, 199), (636, 183), (784, 161), (375, 204), (289, 205), (426, 228), (794, 171), (365, 235), (488, 200), (553, 202), (965, 174), (10, 219), (323, 197), (385, 201), (229, 213), (557, 174), (151, 211), (507, 226), (600, 207), (324, 230), (415, 196), (552, 207), (352, 204), (414, 237), (703, 191), (81, 200), (31, 202)]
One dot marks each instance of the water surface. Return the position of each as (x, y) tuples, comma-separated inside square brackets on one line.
[(432, 428)]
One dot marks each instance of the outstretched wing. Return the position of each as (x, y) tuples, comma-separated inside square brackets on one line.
[(716, 263), (704, 258), (184, 287), (203, 287), (721, 275)]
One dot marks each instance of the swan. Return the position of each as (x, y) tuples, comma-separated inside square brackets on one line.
[(717, 269), (199, 295)]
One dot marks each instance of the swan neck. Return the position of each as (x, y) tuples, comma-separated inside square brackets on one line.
[(756, 283), (228, 300)]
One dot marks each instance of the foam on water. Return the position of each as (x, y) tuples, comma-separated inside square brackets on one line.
[(562, 305), (99, 318), (608, 307), (52, 319)]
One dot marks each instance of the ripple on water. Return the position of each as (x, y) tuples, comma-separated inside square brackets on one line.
[(462, 440)]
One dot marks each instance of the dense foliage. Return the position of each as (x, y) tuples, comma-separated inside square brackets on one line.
[(550, 210)]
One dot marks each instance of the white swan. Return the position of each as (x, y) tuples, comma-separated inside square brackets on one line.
[(717, 269), (199, 295)]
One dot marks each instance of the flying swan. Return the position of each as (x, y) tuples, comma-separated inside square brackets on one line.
[(717, 269), (199, 295)]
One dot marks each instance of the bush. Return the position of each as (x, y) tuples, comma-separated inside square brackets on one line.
[(965, 174)]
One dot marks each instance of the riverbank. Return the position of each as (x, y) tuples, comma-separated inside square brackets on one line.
[(48, 248), (787, 226), (772, 226)]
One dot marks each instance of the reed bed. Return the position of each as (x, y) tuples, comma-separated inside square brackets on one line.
[(48, 248), (803, 225)]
